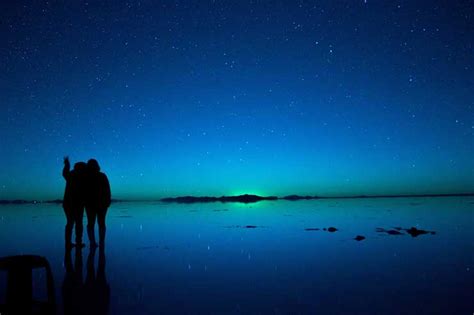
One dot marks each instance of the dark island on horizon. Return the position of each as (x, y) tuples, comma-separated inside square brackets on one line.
[(241, 198), (246, 198)]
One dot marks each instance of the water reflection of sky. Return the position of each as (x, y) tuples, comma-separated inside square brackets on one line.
[(200, 258)]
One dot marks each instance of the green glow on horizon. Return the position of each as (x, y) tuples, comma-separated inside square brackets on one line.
[(248, 192)]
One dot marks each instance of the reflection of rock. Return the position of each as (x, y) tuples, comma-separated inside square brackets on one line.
[(414, 232), (331, 229), (394, 232), (359, 238), (311, 229), (390, 232), (250, 226)]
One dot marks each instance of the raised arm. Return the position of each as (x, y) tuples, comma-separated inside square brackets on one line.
[(66, 168)]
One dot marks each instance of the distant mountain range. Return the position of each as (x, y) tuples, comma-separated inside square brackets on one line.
[(241, 198)]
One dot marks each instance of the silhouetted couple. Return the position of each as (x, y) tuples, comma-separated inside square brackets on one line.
[(86, 187)]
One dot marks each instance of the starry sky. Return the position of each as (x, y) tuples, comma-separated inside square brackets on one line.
[(229, 97)]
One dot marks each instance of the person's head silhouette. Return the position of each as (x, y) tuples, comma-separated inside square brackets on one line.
[(93, 165), (80, 167)]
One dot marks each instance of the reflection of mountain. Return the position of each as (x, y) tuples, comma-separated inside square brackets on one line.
[(15, 202), (242, 198), (297, 197), (22, 201)]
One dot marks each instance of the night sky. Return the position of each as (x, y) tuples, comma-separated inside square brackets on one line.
[(229, 97)]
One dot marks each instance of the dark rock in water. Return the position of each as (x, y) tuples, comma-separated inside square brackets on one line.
[(398, 228), (359, 238), (331, 229), (250, 226), (311, 229), (414, 232)]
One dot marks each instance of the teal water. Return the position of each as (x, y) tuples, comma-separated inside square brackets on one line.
[(201, 258)]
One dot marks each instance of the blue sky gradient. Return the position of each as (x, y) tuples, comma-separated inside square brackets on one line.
[(225, 97)]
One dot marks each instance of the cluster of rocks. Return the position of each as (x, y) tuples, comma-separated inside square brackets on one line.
[(413, 231)]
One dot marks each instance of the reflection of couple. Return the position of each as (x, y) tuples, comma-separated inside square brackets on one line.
[(86, 186), (91, 297)]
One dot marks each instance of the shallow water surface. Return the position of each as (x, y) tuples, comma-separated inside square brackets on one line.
[(269, 257)]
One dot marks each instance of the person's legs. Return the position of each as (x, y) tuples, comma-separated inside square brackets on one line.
[(101, 222), (91, 217), (68, 227), (79, 214)]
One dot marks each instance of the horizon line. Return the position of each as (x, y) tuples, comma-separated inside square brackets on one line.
[(234, 198)]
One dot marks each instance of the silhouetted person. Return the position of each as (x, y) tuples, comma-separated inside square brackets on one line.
[(74, 200), (96, 288), (73, 286), (98, 198)]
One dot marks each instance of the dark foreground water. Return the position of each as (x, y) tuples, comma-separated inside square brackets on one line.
[(259, 258)]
